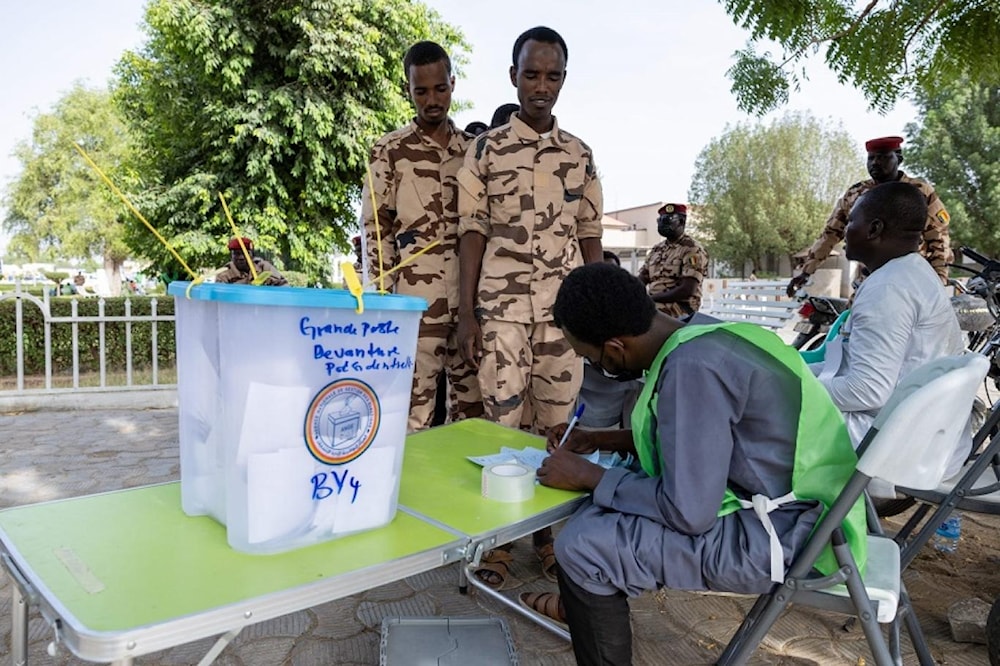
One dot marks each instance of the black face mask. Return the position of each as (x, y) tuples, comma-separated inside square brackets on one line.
[(623, 376), (669, 228)]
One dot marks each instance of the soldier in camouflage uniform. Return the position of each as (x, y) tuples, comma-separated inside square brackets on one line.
[(675, 267), (238, 271), (531, 205), (414, 176), (884, 158)]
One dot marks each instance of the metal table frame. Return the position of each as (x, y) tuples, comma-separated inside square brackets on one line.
[(458, 528)]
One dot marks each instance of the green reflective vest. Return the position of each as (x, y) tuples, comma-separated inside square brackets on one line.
[(824, 457)]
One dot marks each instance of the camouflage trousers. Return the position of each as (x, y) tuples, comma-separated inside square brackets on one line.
[(437, 352), (529, 375)]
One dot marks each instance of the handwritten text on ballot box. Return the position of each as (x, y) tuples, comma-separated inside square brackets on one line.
[(293, 409)]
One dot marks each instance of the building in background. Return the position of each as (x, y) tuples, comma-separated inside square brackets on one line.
[(631, 232)]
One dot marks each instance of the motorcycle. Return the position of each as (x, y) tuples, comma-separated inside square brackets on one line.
[(977, 307), (979, 301), (818, 313)]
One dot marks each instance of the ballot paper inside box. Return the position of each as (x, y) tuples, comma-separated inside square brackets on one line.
[(293, 409)]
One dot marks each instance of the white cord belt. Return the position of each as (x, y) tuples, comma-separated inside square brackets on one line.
[(762, 506)]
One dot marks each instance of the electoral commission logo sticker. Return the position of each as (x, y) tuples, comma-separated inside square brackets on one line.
[(342, 421)]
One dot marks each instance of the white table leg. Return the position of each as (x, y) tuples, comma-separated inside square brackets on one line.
[(19, 627)]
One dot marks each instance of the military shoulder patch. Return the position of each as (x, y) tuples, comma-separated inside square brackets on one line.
[(943, 216)]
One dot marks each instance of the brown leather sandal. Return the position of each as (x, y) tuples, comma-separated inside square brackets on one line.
[(547, 604), (494, 567), (547, 556)]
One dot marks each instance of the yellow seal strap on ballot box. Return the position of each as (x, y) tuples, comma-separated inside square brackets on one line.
[(508, 482)]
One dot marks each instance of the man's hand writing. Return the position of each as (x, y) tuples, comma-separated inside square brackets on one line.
[(568, 471), (580, 441)]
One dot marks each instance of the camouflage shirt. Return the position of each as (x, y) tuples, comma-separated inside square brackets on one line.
[(936, 244), (668, 262), (415, 190), (233, 275), (534, 198)]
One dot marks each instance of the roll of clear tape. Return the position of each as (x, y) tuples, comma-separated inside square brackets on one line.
[(508, 482)]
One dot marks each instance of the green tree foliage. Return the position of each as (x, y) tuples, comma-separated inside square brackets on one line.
[(274, 103), (888, 49), (56, 276), (956, 145), (768, 189), (57, 208)]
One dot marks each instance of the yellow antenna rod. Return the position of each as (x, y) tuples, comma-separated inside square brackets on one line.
[(378, 229), (239, 237), (408, 259), (353, 284), (134, 210)]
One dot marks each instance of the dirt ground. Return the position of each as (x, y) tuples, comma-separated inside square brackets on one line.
[(937, 580)]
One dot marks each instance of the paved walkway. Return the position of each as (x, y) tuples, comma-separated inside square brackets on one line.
[(47, 455)]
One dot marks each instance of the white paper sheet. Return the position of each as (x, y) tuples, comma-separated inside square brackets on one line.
[(534, 457), (372, 503), (279, 494), (273, 419)]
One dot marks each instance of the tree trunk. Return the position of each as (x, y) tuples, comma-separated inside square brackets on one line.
[(112, 268)]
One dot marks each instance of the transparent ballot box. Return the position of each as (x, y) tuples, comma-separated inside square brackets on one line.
[(293, 409)]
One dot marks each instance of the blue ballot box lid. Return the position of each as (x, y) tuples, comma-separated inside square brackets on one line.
[(294, 296)]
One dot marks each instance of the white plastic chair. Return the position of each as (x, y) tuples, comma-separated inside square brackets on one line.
[(976, 488), (909, 445)]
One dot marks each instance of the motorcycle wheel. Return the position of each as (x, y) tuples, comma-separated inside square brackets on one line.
[(808, 341), (817, 342), (801, 339), (891, 507)]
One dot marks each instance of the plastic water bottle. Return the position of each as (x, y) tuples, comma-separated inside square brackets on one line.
[(947, 535)]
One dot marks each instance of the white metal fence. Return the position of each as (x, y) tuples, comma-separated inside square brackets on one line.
[(74, 320), (761, 302)]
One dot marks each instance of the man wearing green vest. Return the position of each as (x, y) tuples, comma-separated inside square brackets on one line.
[(730, 417)]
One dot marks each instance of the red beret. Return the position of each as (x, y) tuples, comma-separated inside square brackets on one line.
[(884, 143), (234, 244), (666, 209), (356, 240)]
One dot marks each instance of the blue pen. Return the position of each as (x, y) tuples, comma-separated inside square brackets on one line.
[(572, 424)]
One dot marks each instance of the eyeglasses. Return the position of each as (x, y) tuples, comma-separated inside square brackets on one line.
[(599, 364)]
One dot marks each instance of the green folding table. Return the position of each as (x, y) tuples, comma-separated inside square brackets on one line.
[(122, 574), (429, 462), (441, 486)]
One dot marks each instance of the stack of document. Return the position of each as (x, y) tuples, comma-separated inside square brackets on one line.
[(533, 458)]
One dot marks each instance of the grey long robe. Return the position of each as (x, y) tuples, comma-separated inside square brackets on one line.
[(727, 415)]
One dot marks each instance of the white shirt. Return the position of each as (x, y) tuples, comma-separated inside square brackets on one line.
[(901, 318)]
